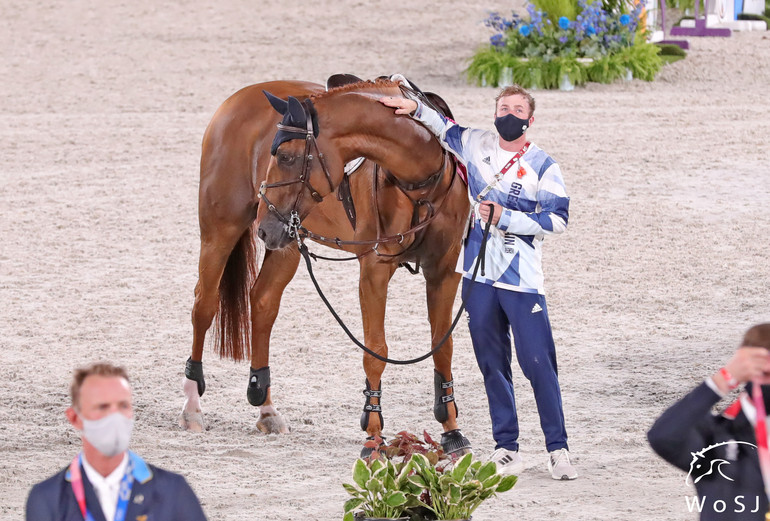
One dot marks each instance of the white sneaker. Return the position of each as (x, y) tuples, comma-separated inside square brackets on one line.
[(560, 466), (507, 461)]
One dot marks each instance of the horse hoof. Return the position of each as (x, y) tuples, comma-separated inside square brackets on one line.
[(272, 424), (455, 444), (191, 421)]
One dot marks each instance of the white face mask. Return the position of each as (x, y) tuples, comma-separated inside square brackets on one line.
[(109, 435)]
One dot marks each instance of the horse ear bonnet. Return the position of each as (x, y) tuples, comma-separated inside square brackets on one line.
[(294, 115), (277, 103)]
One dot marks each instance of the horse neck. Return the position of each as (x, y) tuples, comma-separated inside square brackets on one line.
[(359, 125)]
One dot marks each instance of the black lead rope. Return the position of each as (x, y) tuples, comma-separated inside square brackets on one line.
[(482, 254)]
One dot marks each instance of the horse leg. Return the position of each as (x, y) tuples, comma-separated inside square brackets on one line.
[(373, 292), (278, 268), (441, 291), (215, 251)]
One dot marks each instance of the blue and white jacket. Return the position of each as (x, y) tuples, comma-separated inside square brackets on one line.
[(532, 193)]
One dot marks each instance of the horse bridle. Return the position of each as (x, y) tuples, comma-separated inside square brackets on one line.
[(293, 222)]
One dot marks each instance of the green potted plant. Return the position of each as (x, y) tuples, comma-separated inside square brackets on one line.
[(455, 493), (413, 479), (380, 490)]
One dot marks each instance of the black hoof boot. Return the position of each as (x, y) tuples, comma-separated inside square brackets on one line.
[(370, 445), (454, 443), (259, 383), (194, 371)]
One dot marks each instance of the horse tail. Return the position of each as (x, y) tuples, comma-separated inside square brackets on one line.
[(232, 336)]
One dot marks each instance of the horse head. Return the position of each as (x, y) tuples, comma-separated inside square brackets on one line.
[(318, 135), (297, 167)]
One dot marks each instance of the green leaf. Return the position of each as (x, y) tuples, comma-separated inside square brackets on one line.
[(461, 467), (376, 465), (413, 488), (374, 485), (361, 473), (348, 517), (454, 494), (492, 481), (350, 489), (395, 499), (421, 461), (389, 483), (507, 483), (489, 469), (417, 480), (352, 504)]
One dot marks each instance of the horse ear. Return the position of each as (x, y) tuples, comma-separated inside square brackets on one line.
[(277, 103), (296, 111)]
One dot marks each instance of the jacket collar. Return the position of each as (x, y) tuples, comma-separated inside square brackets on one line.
[(141, 471)]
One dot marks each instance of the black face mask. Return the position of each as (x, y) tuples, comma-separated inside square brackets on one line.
[(765, 394), (510, 127)]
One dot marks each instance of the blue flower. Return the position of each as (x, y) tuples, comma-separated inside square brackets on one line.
[(625, 19), (564, 23), (497, 40), (524, 30), (590, 30)]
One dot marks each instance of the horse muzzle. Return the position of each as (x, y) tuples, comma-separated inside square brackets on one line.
[(274, 233)]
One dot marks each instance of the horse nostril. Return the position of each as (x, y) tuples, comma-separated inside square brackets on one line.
[(261, 233)]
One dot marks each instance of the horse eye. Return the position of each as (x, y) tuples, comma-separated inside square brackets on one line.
[(285, 159)]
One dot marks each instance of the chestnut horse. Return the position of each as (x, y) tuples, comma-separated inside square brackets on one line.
[(234, 162)]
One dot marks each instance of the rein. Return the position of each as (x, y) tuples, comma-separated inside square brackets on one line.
[(480, 262), (296, 231)]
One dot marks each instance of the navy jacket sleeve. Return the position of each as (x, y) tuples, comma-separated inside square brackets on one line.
[(687, 426)]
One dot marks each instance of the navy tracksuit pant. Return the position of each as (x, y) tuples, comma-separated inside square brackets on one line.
[(492, 314)]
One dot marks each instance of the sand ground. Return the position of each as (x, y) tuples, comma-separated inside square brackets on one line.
[(102, 109)]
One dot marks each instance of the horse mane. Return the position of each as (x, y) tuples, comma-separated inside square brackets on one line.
[(361, 85)]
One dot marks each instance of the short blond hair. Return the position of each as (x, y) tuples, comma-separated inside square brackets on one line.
[(512, 90), (96, 369)]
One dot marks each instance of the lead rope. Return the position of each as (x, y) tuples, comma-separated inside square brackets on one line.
[(480, 260)]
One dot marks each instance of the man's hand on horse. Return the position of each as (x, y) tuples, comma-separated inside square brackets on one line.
[(402, 105), (484, 210)]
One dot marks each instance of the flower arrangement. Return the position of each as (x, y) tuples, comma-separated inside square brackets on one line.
[(572, 42)]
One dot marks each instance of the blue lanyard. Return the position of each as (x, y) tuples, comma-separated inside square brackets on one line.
[(124, 492)]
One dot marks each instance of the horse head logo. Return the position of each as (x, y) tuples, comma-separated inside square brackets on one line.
[(704, 463)]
